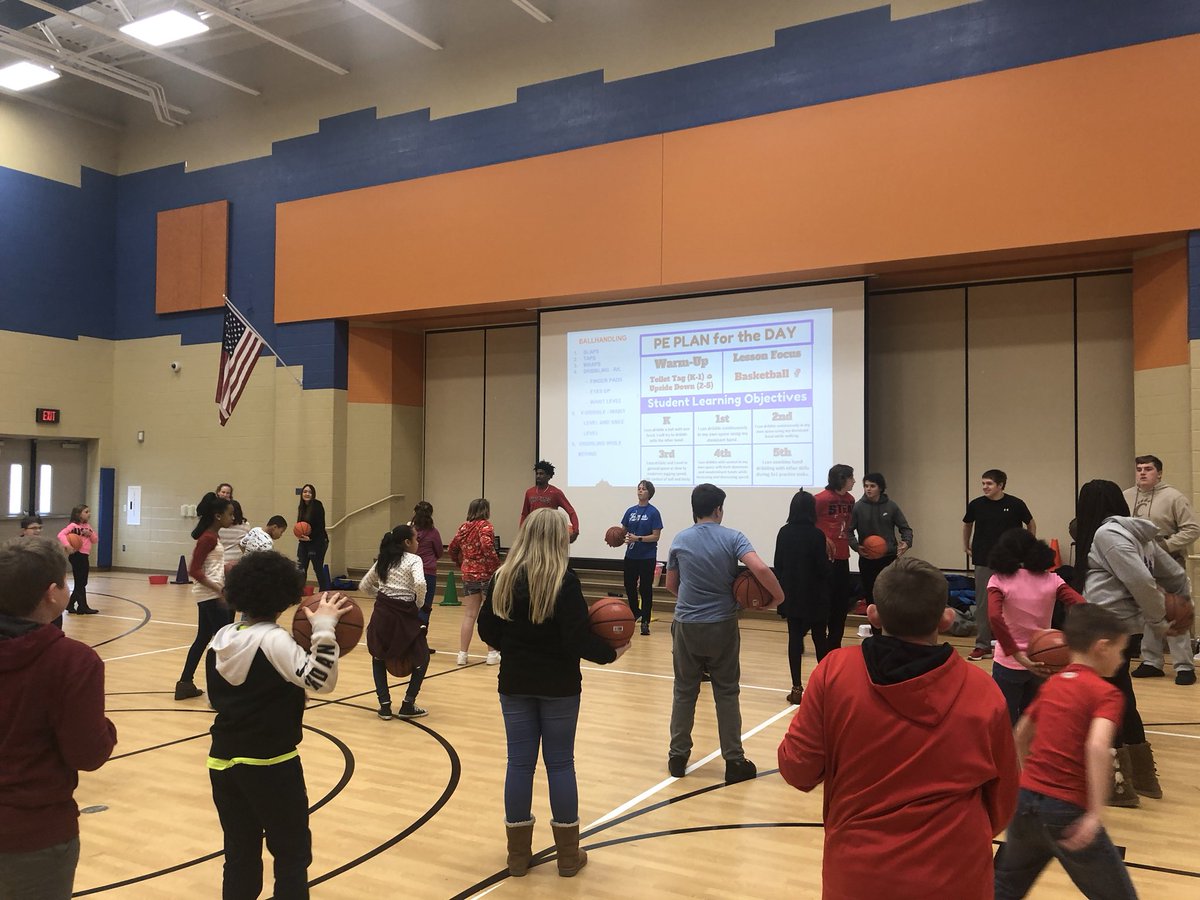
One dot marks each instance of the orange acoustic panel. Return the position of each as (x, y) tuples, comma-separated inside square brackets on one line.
[(548, 226), (1079, 150), (192, 257), (1160, 300)]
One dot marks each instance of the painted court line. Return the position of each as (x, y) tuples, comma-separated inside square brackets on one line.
[(150, 621), (611, 671), (645, 795), (1191, 737), (147, 653)]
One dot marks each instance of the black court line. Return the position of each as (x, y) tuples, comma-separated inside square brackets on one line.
[(1163, 724), (132, 693), (347, 772), (145, 618)]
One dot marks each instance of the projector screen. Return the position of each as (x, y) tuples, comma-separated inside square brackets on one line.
[(758, 392)]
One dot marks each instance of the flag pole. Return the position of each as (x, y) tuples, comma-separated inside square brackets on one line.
[(237, 312)]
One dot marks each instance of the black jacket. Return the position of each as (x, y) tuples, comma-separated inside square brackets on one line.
[(802, 567)]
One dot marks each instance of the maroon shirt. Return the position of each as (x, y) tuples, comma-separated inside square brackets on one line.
[(52, 724), (833, 518), (548, 497)]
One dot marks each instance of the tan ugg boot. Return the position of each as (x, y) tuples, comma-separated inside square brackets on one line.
[(520, 846), (1145, 776), (566, 840), (1123, 793)]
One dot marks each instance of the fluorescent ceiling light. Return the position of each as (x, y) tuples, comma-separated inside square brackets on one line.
[(164, 28), (22, 75)]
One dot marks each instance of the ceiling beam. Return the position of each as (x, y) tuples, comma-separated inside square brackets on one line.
[(226, 15), (141, 45), (372, 10)]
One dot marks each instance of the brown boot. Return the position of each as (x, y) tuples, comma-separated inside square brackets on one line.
[(795, 694), (1145, 776), (566, 840), (1123, 793), (520, 846)]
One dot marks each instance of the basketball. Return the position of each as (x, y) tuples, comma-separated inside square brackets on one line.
[(302, 529), (748, 593), (872, 547), (75, 541), (1048, 646), (1180, 612), (612, 619), (615, 536), (349, 627)]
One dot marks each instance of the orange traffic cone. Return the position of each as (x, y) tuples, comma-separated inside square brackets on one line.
[(1057, 555)]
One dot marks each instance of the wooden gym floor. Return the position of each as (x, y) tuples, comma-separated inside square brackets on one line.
[(415, 807)]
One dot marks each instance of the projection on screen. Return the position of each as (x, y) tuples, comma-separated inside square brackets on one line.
[(758, 392), (737, 402)]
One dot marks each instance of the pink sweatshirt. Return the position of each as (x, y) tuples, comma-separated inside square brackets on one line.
[(1020, 604), (85, 531)]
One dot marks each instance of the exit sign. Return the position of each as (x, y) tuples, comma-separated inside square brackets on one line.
[(46, 416)]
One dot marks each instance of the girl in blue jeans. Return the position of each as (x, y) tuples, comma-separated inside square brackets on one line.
[(535, 615)]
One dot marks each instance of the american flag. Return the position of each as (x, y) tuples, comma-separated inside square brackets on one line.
[(240, 346)]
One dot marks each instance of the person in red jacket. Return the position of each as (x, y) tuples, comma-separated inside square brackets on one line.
[(52, 710), (915, 749), (544, 495)]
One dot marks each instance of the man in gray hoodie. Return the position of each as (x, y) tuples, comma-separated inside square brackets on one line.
[(1177, 528)]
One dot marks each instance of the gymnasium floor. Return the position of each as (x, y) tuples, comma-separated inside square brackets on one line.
[(414, 808)]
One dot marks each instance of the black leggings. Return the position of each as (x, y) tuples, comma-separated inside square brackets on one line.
[(1132, 731), (639, 586), (211, 616), (80, 567), (314, 552), (839, 603), (797, 629)]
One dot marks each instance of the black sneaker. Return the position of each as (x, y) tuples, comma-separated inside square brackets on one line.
[(1185, 676), (87, 612), (1145, 670), (645, 628), (677, 766), (385, 712), (411, 711), (186, 690), (740, 770)]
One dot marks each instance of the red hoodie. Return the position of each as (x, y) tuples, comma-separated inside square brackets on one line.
[(52, 724), (919, 776)]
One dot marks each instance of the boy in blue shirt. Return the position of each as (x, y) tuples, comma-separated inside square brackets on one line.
[(701, 566)]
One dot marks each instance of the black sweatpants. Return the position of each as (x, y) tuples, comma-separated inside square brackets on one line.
[(639, 587), (255, 800)]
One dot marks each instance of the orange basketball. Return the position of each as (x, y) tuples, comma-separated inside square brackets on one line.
[(612, 619), (1180, 612), (349, 627), (747, 591), (302, 529), (872, 547), (1048, 646), (615, 536), (76, 542)]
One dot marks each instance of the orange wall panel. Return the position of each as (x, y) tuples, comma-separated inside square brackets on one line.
[(385, 366), (192, 257), (1160, 299), (1078, 150), (559, 224)]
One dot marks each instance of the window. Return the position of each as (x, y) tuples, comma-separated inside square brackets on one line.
[(14, 489), (44, 476)]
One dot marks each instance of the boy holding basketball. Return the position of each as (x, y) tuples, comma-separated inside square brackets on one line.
[(53, 724), (257, 676), (701, 566), (915, 748), (1064, 741)]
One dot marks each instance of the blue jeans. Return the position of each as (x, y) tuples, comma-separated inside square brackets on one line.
[(314, 552), (380, 673), (1019, 687), (1033, 840), (549, 722)]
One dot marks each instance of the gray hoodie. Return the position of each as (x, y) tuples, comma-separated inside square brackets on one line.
[(883, 518), (1125, 570)]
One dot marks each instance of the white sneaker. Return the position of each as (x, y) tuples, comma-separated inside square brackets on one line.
[(493, 658), (462, 658)]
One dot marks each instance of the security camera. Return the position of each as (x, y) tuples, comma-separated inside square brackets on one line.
[(175, 367)]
